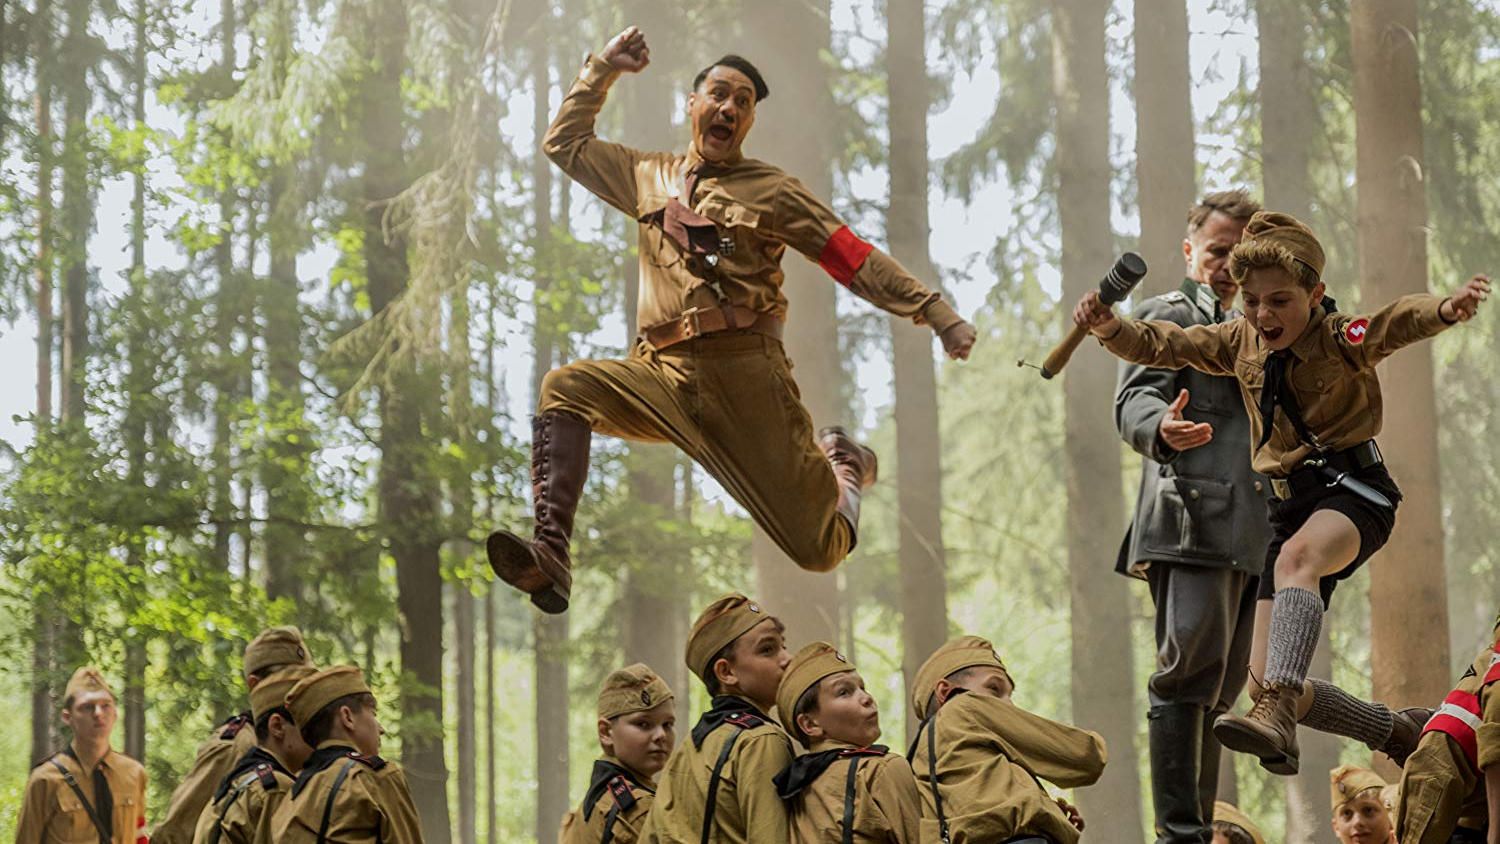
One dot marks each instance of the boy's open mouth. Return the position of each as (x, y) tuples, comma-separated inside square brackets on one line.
[(1271, 333)]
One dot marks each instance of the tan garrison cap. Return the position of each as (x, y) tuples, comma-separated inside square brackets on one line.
[(963, 652), (275, 646), (811, 664), (315, 691), (1287, 232), (634, 688), (1347, 781), (86, 679), (725, 620), (270, 693), (1229, 813)]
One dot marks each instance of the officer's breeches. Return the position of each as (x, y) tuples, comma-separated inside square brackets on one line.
[(728, 400)]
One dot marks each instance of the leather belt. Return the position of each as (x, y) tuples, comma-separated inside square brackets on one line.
[(698, 322), (1306, 478)]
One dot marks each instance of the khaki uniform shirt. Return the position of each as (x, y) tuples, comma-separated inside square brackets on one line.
[(1441, 785), (991, 757), (373, 806), (747, 809), (1332, 371), (887, 808), (758, 207), (226, 745), (51, 812), (611, 785), (243, 814)]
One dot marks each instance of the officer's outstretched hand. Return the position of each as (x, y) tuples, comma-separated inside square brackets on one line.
[(1182, 434), (959, 339), (1097, 317), (1464, 302), (1075, 817), (627, 52)]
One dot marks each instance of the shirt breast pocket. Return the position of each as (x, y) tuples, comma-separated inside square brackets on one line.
[(1317, 385), (739, 227), (1251, 376), (71, 823)]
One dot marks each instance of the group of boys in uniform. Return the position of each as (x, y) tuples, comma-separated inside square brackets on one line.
[(300, 766)]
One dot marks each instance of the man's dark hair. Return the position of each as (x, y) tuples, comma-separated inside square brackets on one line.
[(319, 728), (1233, 833), (744, 66), (263, 723), (1234, 204)]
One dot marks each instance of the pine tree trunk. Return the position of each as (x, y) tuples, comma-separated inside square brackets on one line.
[(1165, 174), (407, 487), (41, 656), (226, 323), (1101, 652), (918, 463), (464, 636), (460, 401), (807, 602), (77, 210), (1408, 605), (491, 778)]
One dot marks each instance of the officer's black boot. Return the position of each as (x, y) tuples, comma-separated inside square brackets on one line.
[(1176, 736), (1210, 752), (855, 468), (542, 566)]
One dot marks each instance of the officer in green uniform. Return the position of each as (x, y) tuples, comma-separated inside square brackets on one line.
[(345, 793), (270, 651), (717, 787), (637, 730)]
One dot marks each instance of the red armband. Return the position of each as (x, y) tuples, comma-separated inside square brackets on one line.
[(843, 255)]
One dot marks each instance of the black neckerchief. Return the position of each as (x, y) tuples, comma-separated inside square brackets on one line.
[(252, 759), (806, 769), (727, 708), (605, 771), (104, 798), (320, 760)]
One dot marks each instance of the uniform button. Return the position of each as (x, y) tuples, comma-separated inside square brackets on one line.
[(1259, 486), (1320, 383), (1193, 494)]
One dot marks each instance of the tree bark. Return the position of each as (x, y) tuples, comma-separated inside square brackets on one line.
[(464, 636), (226, 324), (77, 210), (491, 780), (1166, 178), (41, 657), (807, 602), (1408, 606), (407, 484), (1101, 657), (919, 469)]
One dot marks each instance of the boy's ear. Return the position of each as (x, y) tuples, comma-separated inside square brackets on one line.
[(943, 690), (606, 735), (808, 724), (724, 674)]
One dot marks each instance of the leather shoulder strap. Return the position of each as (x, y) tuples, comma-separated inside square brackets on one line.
[(333, 793), (932, 777), (609, 824), (67, 776), (849, 786), (710, 805)]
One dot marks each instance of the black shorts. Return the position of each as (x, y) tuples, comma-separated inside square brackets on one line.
[(1373, 522)]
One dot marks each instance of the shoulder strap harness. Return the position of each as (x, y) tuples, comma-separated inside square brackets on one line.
[(741, 722), (99, 825)]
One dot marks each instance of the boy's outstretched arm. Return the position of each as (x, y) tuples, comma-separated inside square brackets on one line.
[(1408, 320), (1161, 343)]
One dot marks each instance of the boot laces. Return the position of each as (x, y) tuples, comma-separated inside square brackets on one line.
[(1265, 705)]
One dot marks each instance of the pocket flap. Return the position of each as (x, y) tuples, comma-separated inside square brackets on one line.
[(729, 213)]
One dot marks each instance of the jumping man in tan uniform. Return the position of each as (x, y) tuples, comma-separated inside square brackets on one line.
[(1307, 377), (1450, 786), (717, 786), (637, 730), (846, 788), (979, 759), (270, 651), (246, 801), (88, 793), (345, 793), (708, 372)]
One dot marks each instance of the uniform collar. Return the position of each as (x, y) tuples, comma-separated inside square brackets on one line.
[(253, 758), (728, 708), (805, 769), (104, 761), (606, 770), (695, 160), (1203, 298), (1306, 344)]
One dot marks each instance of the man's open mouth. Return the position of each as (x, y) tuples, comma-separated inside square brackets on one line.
[(721, 133)]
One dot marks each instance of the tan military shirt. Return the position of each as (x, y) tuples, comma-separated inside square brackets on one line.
[(1332, 370), (758, 207), (991, 756), (747, 809), (51, 812), (887, 808), (226, 745), (372, 806), (611, 785), (243, 814)]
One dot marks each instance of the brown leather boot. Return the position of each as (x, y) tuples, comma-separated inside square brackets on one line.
[(854, 466), (1268, 730), (542, 567), (1406, 731)]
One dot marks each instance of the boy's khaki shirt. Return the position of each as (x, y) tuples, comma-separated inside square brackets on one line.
[(757, 206), (244, 815), (886, 806), (226, 745), (373, 806), (1332, 369), (991, 756), (586, 824), (51, 812)]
